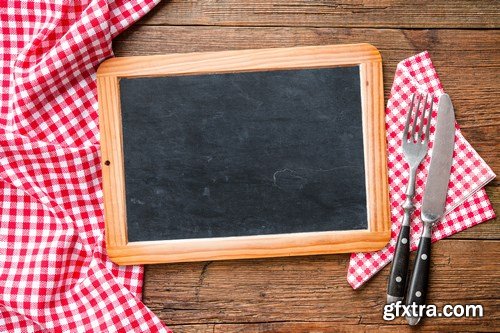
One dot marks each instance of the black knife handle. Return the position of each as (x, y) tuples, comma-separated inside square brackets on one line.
[(417, 290), (396, 288)]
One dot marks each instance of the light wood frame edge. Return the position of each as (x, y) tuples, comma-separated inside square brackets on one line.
[(123, 252)]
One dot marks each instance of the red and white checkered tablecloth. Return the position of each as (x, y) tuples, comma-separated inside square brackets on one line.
[(54, 272), (467, 203)]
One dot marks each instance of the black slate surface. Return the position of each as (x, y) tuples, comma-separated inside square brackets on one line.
[(243, 154)]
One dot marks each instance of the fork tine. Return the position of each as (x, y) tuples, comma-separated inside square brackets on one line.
[(429, 117), (421, 124), (412, 136), (408, 119)]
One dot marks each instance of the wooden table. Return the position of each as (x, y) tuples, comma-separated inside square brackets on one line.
[(310, 294)]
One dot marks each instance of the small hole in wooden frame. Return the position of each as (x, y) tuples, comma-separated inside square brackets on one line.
[(107, 163)]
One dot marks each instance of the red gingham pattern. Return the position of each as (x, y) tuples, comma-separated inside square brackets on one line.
[(467, 203), (55, 275)]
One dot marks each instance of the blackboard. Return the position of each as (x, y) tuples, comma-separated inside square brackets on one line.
[(226, 155), (243, 154)]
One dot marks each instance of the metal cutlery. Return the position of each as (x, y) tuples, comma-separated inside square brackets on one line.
[(433, 206), (415, 146)]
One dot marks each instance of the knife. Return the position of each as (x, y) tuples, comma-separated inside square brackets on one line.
[(434, 202)]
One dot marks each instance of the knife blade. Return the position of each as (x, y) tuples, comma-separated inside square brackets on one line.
[(433, 206), (436, 186)]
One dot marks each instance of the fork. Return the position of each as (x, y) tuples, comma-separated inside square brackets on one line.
[(415, 148)]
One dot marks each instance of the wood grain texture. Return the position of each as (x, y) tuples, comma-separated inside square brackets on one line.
[(322, 13), (308, 327), (233, 61), (311, 294), (112, 168), (241, 247), (128, 253)]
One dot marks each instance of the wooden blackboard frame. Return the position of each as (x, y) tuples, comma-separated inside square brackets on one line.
[(375, 237)]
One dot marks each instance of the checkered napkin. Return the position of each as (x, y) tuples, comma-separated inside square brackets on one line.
[(55, 275), (467, 203)]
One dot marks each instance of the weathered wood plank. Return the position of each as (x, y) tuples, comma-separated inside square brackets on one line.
[(308, 327), (467, 61), (322, 13), (311, 293)]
